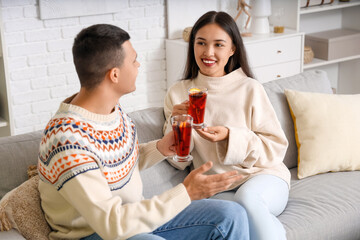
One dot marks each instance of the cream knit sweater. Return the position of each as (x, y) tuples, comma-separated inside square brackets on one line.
[(256, 143), (89, 168)]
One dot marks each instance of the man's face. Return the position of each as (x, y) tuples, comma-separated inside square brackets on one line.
[(128, 69)]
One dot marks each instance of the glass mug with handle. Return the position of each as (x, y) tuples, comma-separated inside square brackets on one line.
[(197, 102), (182, 127)]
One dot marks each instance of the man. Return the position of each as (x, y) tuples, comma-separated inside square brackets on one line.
[(89, 161)]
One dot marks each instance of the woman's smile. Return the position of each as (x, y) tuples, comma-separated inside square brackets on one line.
[(208, 62)]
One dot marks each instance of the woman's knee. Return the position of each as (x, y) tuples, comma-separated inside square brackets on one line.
[(246, 197)]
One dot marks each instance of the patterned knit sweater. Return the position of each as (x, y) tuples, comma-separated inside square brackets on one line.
[(89, 166), (256, 144)]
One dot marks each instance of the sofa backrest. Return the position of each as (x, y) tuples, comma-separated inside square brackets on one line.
[(16, 154), (311, 81)]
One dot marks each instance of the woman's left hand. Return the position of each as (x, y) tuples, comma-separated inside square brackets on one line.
[(214, 134)]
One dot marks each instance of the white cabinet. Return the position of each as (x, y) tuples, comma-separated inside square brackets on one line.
[(275, 56), (276, 71), (270, 57)]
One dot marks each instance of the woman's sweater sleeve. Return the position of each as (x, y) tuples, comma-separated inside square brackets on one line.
[(262, 143), (89, 194)]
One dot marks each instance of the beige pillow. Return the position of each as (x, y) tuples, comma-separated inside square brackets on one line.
[(20, 209), (327, 131)]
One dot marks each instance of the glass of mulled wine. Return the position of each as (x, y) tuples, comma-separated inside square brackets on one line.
[(182, 126), (197, 99)]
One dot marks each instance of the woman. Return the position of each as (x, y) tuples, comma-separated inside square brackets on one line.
[(244, 133)]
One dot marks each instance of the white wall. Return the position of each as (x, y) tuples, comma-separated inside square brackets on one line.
[(39, 62)]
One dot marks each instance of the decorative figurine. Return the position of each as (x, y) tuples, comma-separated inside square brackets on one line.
[(241, 7)]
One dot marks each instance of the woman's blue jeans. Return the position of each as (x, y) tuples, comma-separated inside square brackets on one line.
[(202, 220)]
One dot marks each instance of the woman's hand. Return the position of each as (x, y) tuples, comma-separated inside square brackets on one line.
[(214, 134), (181, 108), (166, 145)]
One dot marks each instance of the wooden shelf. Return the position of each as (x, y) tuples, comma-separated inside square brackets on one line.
[(327, 7), (319, 62), (3, 123)]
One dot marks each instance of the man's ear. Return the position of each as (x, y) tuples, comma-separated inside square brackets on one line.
[(114, 74)]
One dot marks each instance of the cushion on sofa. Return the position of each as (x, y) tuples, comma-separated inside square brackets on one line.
[(149, 123), (327, 128), (17, 153), (20, 209), (324, 206), (311, 81)]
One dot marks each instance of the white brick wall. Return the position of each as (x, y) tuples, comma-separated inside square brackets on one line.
[(39, 62)]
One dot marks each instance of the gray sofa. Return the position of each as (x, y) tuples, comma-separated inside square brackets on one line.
[(325, 206)]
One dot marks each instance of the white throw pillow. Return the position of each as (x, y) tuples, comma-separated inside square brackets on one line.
[(327, 131)]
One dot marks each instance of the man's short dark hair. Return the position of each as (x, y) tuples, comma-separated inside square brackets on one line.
[(96, 50)]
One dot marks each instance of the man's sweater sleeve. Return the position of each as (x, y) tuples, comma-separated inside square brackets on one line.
[(262, 143), (149, 155), (89, 194)]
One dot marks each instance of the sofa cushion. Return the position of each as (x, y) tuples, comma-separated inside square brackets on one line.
[(311, 81), (17, 153), (326, 131), (161, 177), (324, 206)]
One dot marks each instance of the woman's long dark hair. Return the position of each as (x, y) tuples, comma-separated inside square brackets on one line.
[(227, 23)]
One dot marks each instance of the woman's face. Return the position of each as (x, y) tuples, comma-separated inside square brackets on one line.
[(212, 48)]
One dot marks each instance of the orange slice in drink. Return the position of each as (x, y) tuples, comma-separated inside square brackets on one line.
[(182, 124), (194, 90)]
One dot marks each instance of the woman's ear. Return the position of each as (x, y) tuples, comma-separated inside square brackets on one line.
[(114, 74), (233, 50)]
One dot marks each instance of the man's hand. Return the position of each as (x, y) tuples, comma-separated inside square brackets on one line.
[(181, 108), (199, 185), (166, 145), (214, 134)]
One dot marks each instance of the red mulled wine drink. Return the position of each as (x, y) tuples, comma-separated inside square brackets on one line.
[(197, 99), (182, 127)]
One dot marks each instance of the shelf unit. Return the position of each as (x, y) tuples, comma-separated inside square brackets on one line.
[(5, 116), (319, 62), (344, 73)]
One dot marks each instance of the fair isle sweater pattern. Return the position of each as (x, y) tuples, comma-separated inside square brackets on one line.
[(73, 144)]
